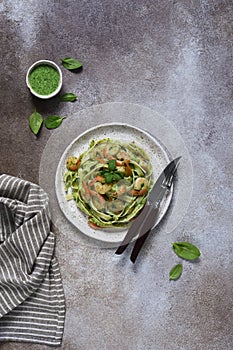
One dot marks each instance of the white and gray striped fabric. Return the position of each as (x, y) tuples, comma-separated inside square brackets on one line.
[(32, 303)]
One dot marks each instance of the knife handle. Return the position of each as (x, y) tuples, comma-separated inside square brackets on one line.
[(144, 234), (138, 245)]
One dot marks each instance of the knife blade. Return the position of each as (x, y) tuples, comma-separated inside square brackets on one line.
[(155, 193)]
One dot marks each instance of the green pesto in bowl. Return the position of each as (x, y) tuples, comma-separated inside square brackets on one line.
[(44, 79)]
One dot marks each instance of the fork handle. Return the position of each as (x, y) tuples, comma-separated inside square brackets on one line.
[(138, 245)]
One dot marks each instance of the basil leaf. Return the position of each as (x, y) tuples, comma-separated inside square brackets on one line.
[(53, 121), (71, 63), (176, 272), (120, 174), (68, 97), (186, 250), (108, 177), (35, 122), (116, 177), (112, 164)]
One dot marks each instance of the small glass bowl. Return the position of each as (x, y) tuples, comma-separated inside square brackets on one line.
[(39, 63)]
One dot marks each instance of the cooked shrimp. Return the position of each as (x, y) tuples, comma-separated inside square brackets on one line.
[(99, 200), (141, 183), (102, 188), (139, 192), (123, 156), (98, 203), (116, 206), (140, 187), (121, 190), (98, 178), (123, 159), (121, 169), (92, 225), (112, 150), (73, 163)]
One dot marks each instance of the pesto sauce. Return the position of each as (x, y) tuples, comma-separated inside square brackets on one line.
[(44, 79)]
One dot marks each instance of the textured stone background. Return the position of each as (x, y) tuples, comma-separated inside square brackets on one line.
[(176, 58)]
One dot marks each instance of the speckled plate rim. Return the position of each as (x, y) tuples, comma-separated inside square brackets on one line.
[(122, 131)]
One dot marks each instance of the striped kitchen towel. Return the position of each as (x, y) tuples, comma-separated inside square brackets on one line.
[(32, 303)]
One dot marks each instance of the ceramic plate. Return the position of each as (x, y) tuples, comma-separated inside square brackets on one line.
[(126, 133)]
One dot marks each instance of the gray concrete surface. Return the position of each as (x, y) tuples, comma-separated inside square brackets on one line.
[(174, 57)]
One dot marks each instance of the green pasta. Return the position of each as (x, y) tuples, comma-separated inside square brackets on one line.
[(109, 182)]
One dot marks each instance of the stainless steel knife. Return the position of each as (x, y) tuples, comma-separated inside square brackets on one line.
[(147, 218)]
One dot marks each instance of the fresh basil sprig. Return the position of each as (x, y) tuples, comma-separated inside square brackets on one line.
[(35, 122), (68, 97), (71, 63), (53, 121), (176, 272), (110, 177), (112, 164), (111, 174), (186, 250)]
